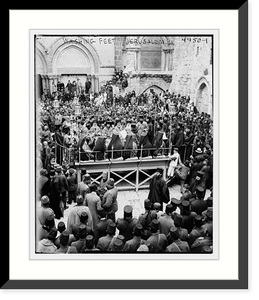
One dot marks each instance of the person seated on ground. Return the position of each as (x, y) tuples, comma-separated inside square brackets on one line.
[(47, 245), (61, 228), (177, 245), (64, 247)]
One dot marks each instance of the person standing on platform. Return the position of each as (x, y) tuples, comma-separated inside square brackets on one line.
[(72, 186), (158, 189), (179, 140)]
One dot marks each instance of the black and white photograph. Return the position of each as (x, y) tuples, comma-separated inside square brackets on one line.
[(124, 144)]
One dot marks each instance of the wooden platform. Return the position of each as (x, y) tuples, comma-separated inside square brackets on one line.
[(128, 174)]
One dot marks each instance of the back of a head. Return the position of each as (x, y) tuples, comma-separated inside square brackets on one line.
[(198, 221), (169, 209), (64, 238), (137, 231), (82, 231), (154, 226), (61, 226), (93, 187), (89, 241), (111, 229), (174, 233), (52, 234), (178, 220), (83, 217)]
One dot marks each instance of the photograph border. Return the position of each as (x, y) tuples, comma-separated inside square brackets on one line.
[(214, 35), (242, 282)]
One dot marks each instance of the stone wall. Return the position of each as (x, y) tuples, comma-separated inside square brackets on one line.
[(192, 67)]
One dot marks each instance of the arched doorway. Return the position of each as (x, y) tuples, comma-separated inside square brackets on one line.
[(153, 88), (202, 98), (73, 61)]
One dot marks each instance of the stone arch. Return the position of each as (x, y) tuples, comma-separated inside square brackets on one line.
[(203, 95), (155, 87), (41, 63), (83, 47)]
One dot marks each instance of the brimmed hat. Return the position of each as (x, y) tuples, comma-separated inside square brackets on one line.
[(198, 150), (44, 199), (176, 201), (157, 205)]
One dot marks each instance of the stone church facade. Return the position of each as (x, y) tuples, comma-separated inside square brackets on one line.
[(180, 64)]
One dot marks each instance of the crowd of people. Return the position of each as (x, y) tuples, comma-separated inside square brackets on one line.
[(184, 225), (77, 125)]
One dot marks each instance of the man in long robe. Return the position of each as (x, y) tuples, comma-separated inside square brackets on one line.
[(115, 145), (158, 190)]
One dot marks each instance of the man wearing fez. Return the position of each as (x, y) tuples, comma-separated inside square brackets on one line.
[(105, 241), (177, 245), (158, 189), (157, 242), (126, 224), (133, 244)]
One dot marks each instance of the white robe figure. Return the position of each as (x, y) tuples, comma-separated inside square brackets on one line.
[(175, 161)]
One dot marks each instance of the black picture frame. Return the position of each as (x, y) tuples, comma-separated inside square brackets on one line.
[(242, 282)]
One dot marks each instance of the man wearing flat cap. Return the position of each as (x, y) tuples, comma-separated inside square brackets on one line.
[(109, 201), (126, 224)]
